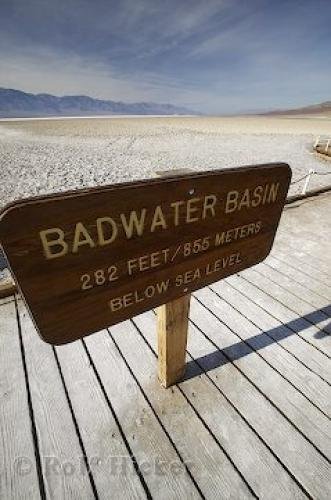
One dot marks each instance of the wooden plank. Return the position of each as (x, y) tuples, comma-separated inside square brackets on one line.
[(311, 207), (314, 249), (296, 244), (7, 300), (300, 311), (212, 470), (18, 472), (301, 234), (300, 223), (172, 328), (103, 442), (254, 460), (7, 289), (147, 439), (7, 285), (262, 335), (296, 453), (299, 260), (309, 282), (316, 207), (298, 290), (306, 417), (311, 357), (57, 437), (264, 293), (123, 249)]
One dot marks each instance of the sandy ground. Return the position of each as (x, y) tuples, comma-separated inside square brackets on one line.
[(44, 156)]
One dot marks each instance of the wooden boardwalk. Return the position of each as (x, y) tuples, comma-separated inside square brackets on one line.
[(322, 146), (251, 419)]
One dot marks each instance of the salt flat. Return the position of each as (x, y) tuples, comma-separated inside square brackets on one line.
[(49, 155)]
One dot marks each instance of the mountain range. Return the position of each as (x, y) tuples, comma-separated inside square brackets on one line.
[(18, 104), (324, 108)]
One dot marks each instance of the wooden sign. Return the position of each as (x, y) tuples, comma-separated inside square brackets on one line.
[(88, 259)]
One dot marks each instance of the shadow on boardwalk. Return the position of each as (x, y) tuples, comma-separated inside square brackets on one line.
[(245, 347)]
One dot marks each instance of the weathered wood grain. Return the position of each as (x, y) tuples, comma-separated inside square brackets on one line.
[(305, 237), (18, 471), (147, 439), (210, 467), (261, 332), (7, 289), (299, 291), (99, 430), (172, 328), (248, 452), (57, 439), (295, 309), (313, 251), (308, 282), (7, 300), (311, 235), (301, 261), (306, 417), (283, 333), (290, 446), (323, 150)]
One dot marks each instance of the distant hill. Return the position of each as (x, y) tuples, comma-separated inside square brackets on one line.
[(324, 108), (18, 104)]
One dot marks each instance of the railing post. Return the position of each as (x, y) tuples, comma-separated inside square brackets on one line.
[(306, 184)]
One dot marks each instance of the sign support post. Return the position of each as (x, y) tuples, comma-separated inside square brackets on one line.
[(172, 327)]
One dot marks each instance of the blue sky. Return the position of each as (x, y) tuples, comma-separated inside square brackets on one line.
[(222, 56)]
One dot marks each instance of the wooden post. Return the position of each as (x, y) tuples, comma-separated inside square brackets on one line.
[(306, 184), (7, 287), (316, 142), (172, 327)]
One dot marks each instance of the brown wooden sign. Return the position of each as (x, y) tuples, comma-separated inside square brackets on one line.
[(91, 258)]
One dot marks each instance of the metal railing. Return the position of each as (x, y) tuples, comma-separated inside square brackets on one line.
[(307, 178)]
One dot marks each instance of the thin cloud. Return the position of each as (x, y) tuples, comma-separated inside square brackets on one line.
[(47, 71), (215, 56)]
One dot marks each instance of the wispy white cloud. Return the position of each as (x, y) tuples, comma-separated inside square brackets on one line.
[(212, 55), (47, 71)]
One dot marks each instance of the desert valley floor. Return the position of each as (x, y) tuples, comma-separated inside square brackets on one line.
[(49, 155)]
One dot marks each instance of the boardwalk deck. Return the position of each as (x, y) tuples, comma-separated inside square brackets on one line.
[(322, 146), (251, 419)]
